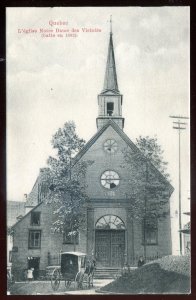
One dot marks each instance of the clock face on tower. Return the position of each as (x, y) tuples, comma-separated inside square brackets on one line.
[(110, 146), (110, 179)]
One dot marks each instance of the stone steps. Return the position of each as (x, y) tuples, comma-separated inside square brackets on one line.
[(106, 273)]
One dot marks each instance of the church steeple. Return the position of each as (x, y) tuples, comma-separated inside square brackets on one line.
[(110, 81), (110, 99)]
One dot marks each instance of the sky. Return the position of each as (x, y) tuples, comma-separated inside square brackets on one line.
[(51, 80)]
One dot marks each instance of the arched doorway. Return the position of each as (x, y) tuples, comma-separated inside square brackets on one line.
[(110, 241)]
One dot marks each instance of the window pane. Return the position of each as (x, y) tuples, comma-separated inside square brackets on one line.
[(34, 239), (110, 179), (35, 218), (113, 218), (150, 227), (110, 222), (112, 226)]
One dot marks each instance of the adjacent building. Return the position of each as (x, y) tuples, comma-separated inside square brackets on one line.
[(15, 211)]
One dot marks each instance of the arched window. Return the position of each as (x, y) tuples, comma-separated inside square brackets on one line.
[(150, 230), (110, 222)]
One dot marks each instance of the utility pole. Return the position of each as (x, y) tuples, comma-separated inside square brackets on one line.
[(179, 126), (145, 204)]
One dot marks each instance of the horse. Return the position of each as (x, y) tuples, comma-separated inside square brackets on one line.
[(89, 270)]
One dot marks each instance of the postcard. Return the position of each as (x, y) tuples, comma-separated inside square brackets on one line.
[(98, 150)]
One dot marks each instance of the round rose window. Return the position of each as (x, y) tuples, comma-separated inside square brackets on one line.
[(110, 179), (110, 146)]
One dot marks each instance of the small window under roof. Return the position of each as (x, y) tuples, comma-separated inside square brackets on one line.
[(35, 218)]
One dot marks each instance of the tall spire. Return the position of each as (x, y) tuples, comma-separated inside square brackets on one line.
[(110, 81), (110, 99)]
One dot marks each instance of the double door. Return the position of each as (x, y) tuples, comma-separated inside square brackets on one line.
[(110, 247)]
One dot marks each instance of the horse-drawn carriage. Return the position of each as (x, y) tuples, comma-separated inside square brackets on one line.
[(75, 267)]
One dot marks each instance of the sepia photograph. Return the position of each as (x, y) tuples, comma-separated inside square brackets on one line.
[(98, 150)]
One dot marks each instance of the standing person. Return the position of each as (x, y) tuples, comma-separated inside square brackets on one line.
[(30, 274), (141, 262)]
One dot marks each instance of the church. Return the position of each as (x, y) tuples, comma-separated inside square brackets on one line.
[(113, 236)]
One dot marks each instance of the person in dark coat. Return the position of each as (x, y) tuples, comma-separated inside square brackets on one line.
[(141, 262)]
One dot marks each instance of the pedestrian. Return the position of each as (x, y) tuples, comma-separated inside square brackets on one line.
[(30, 274), (141, 261)]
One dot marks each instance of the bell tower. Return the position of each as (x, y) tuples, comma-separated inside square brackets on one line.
[(110, 99)]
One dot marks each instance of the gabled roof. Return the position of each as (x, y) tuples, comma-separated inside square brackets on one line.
[(128, 142)]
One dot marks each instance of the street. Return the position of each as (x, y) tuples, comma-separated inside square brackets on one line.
[(44, 288)]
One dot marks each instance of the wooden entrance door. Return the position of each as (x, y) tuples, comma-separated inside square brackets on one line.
[(110, 247)]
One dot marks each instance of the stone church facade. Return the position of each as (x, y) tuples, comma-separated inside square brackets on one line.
[(112, 236)]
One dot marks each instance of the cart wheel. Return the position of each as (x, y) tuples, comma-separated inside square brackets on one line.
[(67, 283), (78, 283), (55, 279)]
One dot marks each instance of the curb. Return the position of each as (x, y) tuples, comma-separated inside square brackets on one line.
[(108, 293)]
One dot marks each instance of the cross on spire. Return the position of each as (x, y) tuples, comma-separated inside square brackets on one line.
[(111, 24)]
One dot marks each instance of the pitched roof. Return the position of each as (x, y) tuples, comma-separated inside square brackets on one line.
[(39, 190), (110, 81), (128, 142), (14, 210)]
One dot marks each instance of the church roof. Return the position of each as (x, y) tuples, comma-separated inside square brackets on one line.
[(128, 142), (110, 81)]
